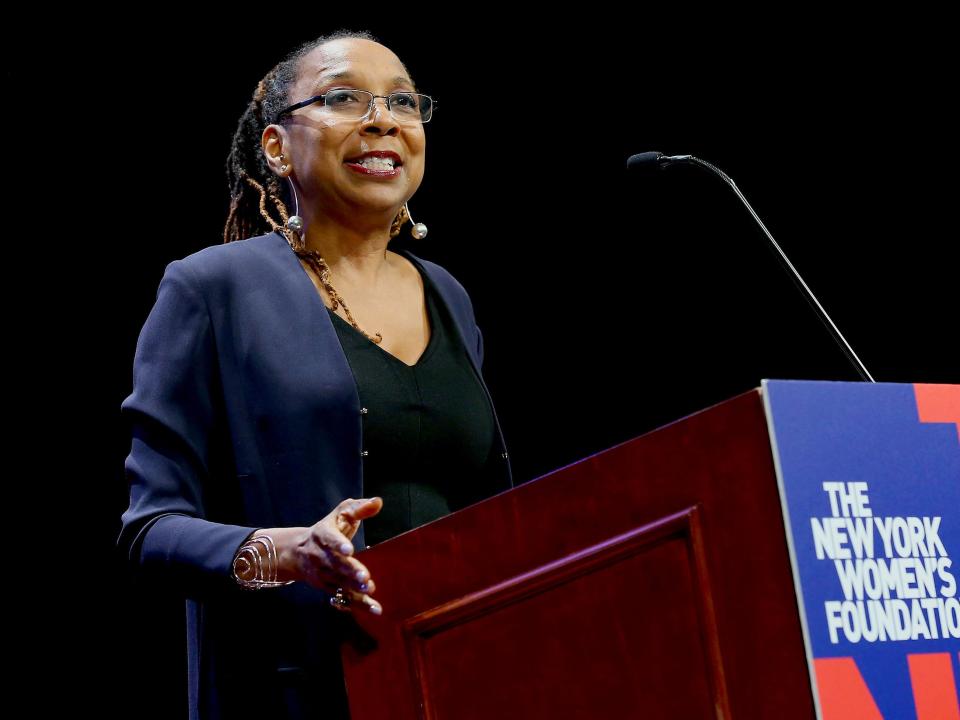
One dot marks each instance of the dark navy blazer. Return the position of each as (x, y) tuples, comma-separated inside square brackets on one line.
[(245, 414)]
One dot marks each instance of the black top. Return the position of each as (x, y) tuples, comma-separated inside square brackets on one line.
[(428, 429)]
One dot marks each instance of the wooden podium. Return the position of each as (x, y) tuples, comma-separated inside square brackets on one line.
[(651, 580)]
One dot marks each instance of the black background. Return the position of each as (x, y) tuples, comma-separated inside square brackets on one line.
[(610, 303)]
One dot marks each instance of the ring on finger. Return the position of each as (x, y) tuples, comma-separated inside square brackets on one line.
[(339, 600)]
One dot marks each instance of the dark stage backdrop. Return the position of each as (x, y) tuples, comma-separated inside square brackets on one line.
[(610, 304)]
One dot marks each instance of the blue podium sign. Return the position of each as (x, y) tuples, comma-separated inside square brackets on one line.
[(869, 478)]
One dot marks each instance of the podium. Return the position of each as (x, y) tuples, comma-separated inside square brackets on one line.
[(650, 580)]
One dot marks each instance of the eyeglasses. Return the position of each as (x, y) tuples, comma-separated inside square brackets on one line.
[(405, 107)]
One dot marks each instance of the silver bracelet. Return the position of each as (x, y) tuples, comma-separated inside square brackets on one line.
[(250, 556)]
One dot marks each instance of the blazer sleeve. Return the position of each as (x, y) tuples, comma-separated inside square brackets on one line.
[(473, 320), (171, 415), (479, 346)]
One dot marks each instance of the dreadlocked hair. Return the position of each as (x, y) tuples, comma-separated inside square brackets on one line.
[(256, 193)]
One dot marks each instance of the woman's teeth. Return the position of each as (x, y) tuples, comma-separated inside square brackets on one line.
[(376, 163)]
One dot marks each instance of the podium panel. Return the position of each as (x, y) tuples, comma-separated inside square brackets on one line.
[(566, 619)]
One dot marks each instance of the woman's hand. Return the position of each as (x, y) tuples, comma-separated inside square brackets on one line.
[(322, 555)]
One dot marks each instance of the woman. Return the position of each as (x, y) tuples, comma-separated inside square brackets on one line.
[(273, 436)]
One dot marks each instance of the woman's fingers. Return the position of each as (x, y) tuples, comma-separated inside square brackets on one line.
[(326, 578), (331, 549), (368, 604), (349, 600), (347, 516), (353, 574), (335, 552), (348, 571), (350, 512)]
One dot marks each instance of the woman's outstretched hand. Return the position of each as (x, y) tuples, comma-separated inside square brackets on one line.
[(322, 555)]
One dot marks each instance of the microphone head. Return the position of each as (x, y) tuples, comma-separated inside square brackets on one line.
[(644, 160)]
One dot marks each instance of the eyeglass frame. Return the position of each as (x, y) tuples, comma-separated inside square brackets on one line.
[(373, 100)]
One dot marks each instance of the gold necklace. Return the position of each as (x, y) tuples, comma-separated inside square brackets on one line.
[(322, 270)]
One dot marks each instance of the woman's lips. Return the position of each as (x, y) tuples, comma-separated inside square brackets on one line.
[(358, 168)]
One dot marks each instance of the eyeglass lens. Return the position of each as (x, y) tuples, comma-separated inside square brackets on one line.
[(405, 106)]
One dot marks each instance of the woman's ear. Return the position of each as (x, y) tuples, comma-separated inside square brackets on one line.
[(273, 141)]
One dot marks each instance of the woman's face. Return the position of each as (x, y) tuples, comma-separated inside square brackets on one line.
[(317, 142)]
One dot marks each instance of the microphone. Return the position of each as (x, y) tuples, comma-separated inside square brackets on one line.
[(654, 160), (657, 161)]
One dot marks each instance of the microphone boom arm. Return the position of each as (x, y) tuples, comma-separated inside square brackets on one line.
[(667, 160)]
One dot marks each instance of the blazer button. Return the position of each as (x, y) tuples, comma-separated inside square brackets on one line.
[(363, 411), (504, 454), (363, 453)]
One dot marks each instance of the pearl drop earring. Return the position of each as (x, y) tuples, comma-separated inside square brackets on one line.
[(295, 222), (419, 230)]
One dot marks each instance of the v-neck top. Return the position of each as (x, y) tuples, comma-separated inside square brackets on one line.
[(429, 434)]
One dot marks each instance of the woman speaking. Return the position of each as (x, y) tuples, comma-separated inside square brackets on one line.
[(300, 391)]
